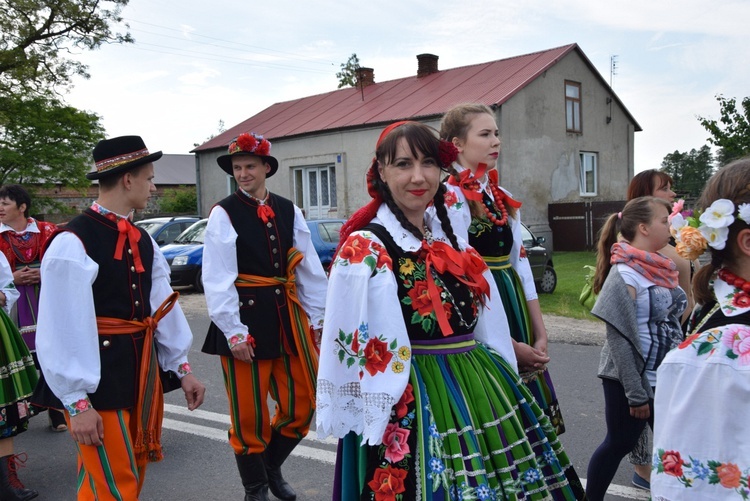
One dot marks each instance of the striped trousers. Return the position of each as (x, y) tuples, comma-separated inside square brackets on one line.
[(109, 472), (248, 387)]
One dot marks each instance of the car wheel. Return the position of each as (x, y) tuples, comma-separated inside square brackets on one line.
[(199, 280), (549, 280)]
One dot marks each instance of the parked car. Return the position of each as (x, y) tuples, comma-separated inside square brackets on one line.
[(185, 253), (540, 260), (185, 256), (325, 238), (165, 229)]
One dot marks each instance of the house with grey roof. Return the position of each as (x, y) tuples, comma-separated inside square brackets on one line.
[(566, 136)]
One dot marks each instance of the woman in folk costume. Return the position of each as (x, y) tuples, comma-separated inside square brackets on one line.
[(487, 216), (17, 381), (701, 440), (640, 300), (424, 395)]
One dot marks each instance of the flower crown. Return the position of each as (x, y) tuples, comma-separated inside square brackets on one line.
[(250, 143), (697, 231)]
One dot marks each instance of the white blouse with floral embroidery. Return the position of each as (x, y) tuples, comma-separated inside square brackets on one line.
[(702, 404), (365, 354)]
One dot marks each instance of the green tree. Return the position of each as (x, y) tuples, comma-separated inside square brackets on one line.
[(45, 142), (179, 201), (36, 35), (690, 170), (731, 133), (349, 71), (221, 129)]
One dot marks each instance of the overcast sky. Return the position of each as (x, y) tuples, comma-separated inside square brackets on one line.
[(195, 63)]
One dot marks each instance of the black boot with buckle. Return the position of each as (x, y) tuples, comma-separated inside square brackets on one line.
[(253, 474), (275, 455), (11, 489)]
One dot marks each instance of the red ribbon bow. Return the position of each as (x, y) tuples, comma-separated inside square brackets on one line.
[(467, 267), (265, 212), (469, 182), (126, 229)]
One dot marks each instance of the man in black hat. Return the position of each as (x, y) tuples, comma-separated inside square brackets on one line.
[(107, 313), (264, 285)]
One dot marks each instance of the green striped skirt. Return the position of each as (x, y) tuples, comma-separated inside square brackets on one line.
[(18, 378), (465, 428), (514, 301)]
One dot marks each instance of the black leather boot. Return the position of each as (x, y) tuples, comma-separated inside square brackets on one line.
[(275, 455), (11, 489), (253, 473)]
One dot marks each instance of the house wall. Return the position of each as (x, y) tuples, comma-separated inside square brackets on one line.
[(350, 152), (539, 161)]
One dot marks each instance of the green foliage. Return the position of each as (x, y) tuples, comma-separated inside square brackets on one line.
[(570, 280), (45, 142), (221, 129), (35, 36), (179, 201), (731, 133), (690, 170), (348, 73)]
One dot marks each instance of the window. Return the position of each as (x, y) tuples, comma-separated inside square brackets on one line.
[(573, 106), (315, 190), (589, 173)]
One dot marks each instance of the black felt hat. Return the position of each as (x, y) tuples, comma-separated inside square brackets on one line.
[(120, 154)]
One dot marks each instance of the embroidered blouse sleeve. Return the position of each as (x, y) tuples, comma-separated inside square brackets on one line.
[(220, 273), (365, 352), (459, 212), (173, 336), (519, 263), (67, 340), (311, 278)]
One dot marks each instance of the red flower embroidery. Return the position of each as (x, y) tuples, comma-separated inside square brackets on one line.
[(377, 356), (523, 252), (395, 441), (402, 406), (450, 199), (355, 249), (729, 475), (688, 341), (672, 463), (383, 258), (387, 482), (741, 300), (355, 341), (420, 298)]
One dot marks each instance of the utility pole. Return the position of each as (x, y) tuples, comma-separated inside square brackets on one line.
[(612, 69)]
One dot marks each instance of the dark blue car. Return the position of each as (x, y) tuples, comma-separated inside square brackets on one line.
[(185, 254)]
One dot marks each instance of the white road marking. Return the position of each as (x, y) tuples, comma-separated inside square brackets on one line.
[(304, 451)]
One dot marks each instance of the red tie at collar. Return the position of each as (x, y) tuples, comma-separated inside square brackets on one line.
[(466, 267), (134, 236), (469, 182), (265, 212)]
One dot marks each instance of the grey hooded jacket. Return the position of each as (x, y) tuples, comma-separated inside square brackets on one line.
[(622, 358)]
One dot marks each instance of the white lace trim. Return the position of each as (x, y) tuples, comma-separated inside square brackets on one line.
[(345, 408)]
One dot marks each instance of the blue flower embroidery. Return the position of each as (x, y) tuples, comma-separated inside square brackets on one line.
[(532, 475), (436, 466), (484, 492)]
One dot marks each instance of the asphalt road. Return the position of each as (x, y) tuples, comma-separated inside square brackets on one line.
[(199, 463)]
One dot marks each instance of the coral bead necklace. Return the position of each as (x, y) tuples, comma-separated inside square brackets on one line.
[(734, 280), (498, 197)]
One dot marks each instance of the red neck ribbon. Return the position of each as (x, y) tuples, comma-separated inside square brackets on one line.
[(498, 193), (265, 212), (467, 267), (469, 182), (126, 229)]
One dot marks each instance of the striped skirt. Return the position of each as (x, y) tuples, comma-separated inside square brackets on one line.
[(514, 301), (18, 378), (465, 428)]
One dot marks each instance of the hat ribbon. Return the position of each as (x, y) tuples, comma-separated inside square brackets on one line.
[(126, 229)]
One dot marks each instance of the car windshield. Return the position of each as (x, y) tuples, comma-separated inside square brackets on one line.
[(528, 238), (329, 232), (193, 235), (151, 227)]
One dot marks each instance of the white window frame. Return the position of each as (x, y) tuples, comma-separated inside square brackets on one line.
[(573, 108), (324, 174), (588, 171)]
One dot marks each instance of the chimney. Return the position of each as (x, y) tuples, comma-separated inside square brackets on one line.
[(427, 64), (365, 76)]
